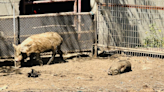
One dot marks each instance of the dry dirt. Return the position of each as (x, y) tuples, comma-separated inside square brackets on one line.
[(87, 74)]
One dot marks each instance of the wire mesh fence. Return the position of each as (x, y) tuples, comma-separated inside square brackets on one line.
[(76, 29), (132, 25), (75, 38), (7, 8)]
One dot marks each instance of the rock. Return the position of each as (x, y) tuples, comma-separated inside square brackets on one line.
[(3, 87)]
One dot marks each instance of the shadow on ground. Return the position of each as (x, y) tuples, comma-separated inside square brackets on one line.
[(56, 60)]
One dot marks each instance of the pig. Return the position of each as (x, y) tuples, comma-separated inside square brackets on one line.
[(38, 43), (119, 67)]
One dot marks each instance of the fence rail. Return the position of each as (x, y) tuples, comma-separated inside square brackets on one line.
[(133, 6), (66, 24)]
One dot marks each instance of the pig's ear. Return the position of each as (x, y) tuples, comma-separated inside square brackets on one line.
[(14, 46)]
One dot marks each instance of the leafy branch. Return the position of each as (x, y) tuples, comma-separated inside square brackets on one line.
[(153, 39)]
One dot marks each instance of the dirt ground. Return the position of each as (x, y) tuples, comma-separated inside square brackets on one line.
[(85, 74)]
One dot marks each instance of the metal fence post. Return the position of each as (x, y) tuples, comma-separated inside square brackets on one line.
[(14, 28), (95, 28)]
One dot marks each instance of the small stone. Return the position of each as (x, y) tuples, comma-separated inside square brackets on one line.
[(4, 87)]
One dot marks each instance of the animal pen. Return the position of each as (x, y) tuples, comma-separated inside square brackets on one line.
[(76, 29), (134, 27)]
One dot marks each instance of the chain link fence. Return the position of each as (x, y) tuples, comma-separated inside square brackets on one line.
[(76, 38), (8, 9), (75, 28), (131, 25)]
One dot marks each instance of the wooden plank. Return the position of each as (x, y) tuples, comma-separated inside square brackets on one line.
[(55, 14), (2, 60), (66, 55), (80, 32), (49, 1), (136, 50), (48, 14)]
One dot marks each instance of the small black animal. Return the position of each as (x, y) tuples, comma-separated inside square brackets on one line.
[(33, 73)]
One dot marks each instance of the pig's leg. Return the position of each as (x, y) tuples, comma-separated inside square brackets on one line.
[(53, 56), (60, 52), (123, 67), (38, 58), (109, 71), (31, 59)]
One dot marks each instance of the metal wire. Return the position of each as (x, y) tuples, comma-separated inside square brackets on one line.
[(132, 25), (66, 24)]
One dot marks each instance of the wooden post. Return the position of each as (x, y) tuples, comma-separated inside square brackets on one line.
[(14, 28), (75, 6), (79, 19), (75, 11), (95, 28)]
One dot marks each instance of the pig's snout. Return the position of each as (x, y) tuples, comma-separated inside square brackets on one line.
[(18, 59)]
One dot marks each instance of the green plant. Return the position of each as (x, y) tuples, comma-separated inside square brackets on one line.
[(153, 39)]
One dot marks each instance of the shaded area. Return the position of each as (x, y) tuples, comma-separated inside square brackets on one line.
[(55, 7), (118, 29), (66, 26)]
